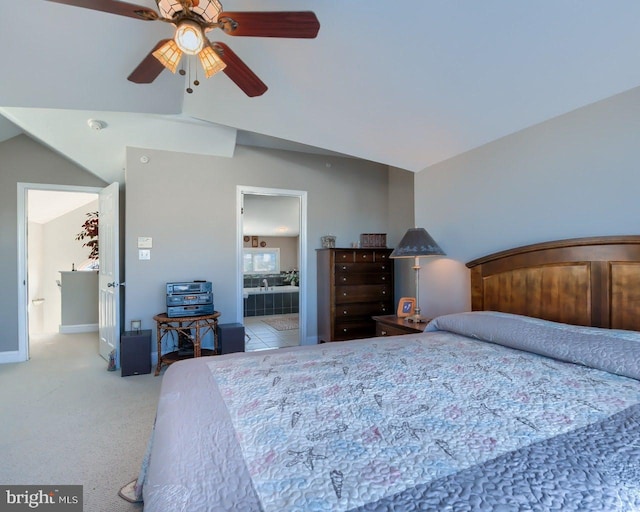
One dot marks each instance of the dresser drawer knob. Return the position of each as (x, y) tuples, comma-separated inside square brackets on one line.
[(345, 312), (344, 294), (384, 292), (384, 309), (383, 333), (364, 256), (383, 267), (383, 278), (344, 268), (344, 330), (344, 279)]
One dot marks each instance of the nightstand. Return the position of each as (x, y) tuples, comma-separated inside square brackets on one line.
[(391, 325)]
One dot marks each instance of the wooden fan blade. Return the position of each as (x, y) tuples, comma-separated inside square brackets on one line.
[(114, 7), (239, 72), (298, 24), (149, 69)]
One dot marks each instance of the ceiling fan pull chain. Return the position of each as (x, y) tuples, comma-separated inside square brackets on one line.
[(189, 89)]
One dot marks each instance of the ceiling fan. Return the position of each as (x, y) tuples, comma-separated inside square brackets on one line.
[(192, 19)]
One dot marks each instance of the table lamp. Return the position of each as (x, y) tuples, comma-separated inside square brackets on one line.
[(417, 243)]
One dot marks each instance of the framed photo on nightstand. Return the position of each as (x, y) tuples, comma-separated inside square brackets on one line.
[(406, 307)]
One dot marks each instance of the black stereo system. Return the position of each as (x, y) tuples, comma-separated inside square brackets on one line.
[(193, 298)]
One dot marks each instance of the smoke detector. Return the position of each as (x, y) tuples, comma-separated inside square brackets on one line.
[(96, 124)]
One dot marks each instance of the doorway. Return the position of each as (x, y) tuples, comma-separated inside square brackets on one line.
[(272, 266), (49, 258)]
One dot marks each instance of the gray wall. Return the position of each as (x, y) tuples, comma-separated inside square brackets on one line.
[(401, 218), (187, 204), (574, 176), (24, 160)]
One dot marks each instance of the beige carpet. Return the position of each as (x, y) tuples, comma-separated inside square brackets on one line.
[(67, 420), (282, 322)]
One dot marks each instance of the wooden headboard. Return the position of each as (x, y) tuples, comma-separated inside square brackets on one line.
[(583, 281)]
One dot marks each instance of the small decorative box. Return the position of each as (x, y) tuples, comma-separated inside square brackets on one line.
[(328, 241), (373, 240)]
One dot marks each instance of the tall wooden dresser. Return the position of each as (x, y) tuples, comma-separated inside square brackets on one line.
[(353, 286)]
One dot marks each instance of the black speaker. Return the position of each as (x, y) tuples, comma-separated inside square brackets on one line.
[(135, 353), (230, 338)]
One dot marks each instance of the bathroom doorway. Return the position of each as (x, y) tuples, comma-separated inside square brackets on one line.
[(53, 220), (49, 218), (272, 267)]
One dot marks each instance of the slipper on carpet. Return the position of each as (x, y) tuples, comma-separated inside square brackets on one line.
[(128, 492)]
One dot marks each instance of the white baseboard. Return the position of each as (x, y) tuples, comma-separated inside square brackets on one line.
[(73, 329), (13, 356)]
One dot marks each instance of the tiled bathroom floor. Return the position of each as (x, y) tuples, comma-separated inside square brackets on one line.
[(264, 337)]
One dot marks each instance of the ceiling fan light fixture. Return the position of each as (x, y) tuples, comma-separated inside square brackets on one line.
[(169, 8), (210, 61), (208, 10), (189, 37), (169, 55), (193, 19)]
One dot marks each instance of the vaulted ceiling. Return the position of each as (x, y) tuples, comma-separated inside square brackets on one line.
[(406, 83)]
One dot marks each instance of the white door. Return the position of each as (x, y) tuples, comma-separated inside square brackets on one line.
[(109, 282)]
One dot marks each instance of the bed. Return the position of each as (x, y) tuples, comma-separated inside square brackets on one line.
[(501, 408)]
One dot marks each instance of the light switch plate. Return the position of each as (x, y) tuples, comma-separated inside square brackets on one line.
[(144, 254)]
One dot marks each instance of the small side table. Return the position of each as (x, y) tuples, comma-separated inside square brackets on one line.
[(192, 328), (391, 325)]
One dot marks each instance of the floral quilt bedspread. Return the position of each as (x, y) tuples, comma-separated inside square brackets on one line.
[(352, 424)]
